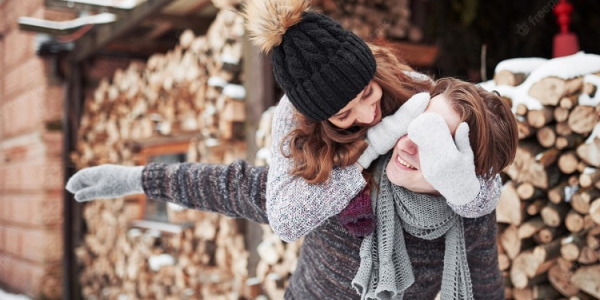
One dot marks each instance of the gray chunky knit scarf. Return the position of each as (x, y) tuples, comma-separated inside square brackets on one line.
[(385, 270)]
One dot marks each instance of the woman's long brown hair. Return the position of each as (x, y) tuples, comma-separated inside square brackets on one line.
[(317, 147)]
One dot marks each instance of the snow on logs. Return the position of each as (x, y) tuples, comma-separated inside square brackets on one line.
[(549, 212)]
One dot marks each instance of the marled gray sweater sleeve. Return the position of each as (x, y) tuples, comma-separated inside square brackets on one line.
[(485, 202), (295, 207), (235, 190)]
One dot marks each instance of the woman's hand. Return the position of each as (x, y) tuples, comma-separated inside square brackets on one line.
[(105, 181), (383, 136), (446, 163)]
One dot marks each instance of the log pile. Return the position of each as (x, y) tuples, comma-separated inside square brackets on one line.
[(122, 259), (277, 259), (549, 212), (382, 19), (193, 90)]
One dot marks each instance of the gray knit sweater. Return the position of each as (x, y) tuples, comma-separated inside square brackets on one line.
[(329, 257), (295, 207)]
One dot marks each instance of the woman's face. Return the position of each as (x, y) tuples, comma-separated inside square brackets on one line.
[(364, 109), (404, 166)]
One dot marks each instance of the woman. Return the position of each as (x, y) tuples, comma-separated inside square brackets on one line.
[(337, 88), (330, 256)]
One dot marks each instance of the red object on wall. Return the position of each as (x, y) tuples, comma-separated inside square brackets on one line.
[(565, 42)]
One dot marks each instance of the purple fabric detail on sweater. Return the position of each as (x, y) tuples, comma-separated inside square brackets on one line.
[(358, 216)]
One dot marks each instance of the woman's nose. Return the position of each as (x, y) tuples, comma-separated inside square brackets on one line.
[(366, 114)]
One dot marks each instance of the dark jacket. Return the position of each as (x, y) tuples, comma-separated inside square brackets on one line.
[(329, 255)]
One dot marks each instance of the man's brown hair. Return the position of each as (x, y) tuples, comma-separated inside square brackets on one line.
[(492, 125)]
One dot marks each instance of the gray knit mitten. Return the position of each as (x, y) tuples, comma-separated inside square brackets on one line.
[(383, 136), (105, 181), (447, 164)]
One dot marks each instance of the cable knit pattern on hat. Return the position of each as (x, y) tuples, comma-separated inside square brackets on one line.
[(321, 66)]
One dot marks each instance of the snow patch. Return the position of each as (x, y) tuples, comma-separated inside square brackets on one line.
[(521, 65), (517, 95), (235, 91), (585, 99), (157, 261), (6, 296), (594, 135), (566, 67)]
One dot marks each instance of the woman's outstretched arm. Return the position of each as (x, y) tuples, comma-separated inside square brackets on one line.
[(235, 190)]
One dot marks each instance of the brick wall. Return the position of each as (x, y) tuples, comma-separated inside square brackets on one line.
[(31, 179)]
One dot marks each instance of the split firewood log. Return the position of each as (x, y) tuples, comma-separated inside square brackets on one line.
[(551, 89)]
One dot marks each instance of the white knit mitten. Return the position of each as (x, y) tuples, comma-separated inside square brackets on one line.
[(105, 181), (383, 136), (448, 166)]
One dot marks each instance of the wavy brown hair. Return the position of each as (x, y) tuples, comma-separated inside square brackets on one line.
[(492, 125), (317, 147)]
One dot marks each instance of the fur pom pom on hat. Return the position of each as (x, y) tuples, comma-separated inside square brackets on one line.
[(320, 65)]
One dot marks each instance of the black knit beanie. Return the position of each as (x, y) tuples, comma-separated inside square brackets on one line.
[(321, 66)]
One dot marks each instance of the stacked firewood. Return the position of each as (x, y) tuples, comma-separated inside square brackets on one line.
[(381, 19), (549, 212), (193, 90), (124, 259), (277, 258)]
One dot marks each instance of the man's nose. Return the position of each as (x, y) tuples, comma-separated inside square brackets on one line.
[(407, 145)]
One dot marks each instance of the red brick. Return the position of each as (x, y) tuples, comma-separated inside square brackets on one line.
[(41, 281), (54, 103), (14, 9), (23, 114), (19, 47), (43, 245), (30, 176), (54, 143), (2, 67), (34, 244), (13, 236), (39, 209), (4, 210), (24, 148), (3, 25), (2, 237), (27, 75)]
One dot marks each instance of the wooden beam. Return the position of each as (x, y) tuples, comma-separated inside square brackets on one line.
[(136, 50), (82, 5), (96, 39), (416, 55), (72, 210), (199, 24), (161, 226), (63, 27)]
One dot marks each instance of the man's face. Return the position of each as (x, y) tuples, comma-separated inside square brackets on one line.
[(404, 166)]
